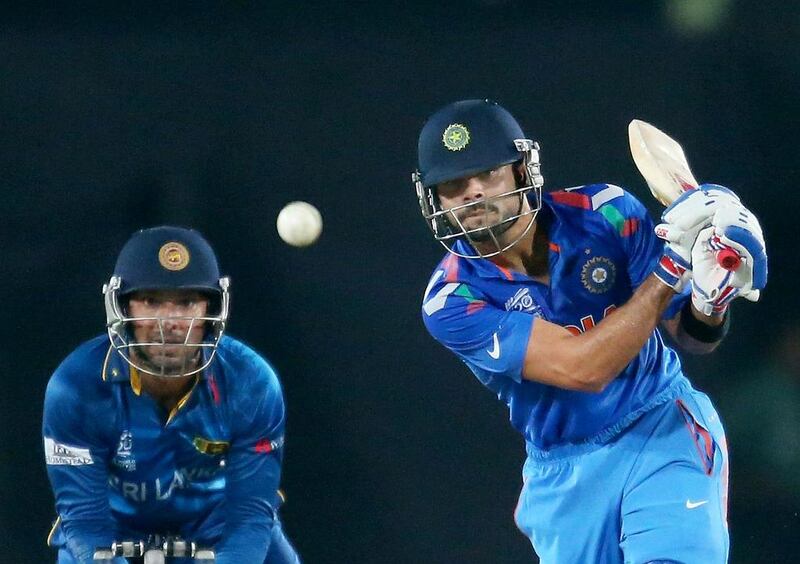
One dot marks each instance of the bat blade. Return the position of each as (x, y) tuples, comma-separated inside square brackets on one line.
[(664, 167), (661, 161)]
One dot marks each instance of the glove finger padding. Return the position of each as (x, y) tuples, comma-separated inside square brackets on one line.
[(736, 227), (713, 288), (681, 223), (692, 211), (697, 206)]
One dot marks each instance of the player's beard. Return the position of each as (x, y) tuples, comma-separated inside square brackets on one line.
[(537, 262), (489, 231), (162, 361)]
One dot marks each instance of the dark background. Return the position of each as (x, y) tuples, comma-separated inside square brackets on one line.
[(215, 115)]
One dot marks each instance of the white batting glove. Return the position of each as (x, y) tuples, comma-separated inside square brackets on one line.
[(713, 287), (680, 225)]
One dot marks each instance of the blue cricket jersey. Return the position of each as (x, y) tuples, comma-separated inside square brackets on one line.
[(602, 247), (122, 468)]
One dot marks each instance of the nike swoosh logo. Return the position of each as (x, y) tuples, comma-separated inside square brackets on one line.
[(495, 350), (693, 504)]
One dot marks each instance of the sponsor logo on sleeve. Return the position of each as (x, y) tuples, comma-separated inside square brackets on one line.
[(207, 446), (494, 352), (59, 454), (265, 446)]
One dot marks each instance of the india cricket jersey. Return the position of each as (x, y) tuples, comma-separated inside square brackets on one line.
[(123, 468), (602, 247)]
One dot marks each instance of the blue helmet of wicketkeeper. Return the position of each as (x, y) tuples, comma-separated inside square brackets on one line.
[(179, 264)]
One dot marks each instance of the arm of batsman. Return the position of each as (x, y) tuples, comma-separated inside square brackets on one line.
[(713, 287), (680, 226)]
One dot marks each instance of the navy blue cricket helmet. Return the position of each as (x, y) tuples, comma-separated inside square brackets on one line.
[(461, 140), (166, 258)]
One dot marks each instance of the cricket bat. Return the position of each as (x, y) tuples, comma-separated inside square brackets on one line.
[(663, 165)]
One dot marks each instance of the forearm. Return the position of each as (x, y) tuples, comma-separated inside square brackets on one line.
[(609, 347), (81, 495), (589, 361), (695, 332), (250, 506), (246, 541)]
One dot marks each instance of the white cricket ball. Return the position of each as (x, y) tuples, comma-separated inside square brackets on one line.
[(299, 224)]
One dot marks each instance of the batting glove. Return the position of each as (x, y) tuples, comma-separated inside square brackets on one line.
[(680, 225), (714, 288)]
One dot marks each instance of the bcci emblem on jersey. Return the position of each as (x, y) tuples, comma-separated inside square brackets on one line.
[(598, 275)]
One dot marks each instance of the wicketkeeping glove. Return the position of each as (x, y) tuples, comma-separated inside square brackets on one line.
[(714, 288), (680, 225)]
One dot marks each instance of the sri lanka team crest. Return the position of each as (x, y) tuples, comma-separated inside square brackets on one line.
[(598, 275), (455, 137), (173, 256)]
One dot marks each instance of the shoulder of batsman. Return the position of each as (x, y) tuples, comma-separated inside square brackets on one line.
[(590, 197)]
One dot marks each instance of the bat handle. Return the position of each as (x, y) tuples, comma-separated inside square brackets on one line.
[(728, 259)]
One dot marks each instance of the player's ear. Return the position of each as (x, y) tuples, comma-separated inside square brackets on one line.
[(519, 173)]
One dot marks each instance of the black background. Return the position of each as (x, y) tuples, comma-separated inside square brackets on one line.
[(214, 115)]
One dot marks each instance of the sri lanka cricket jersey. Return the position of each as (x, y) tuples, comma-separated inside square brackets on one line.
[(123, 468), (602, 247)]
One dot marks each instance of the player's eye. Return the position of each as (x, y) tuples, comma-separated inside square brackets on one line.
[(447, 188)]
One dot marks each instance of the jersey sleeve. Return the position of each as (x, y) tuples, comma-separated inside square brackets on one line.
[(253, 466), (486, 338), (76, 455), (642, 248)]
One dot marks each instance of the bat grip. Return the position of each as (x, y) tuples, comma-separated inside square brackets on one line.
[(728, 259)]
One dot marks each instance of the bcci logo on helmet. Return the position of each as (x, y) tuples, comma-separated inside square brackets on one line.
[(455, 137), (173, 256)]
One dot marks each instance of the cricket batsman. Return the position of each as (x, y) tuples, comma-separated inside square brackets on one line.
[(558, 303), (165, 426)]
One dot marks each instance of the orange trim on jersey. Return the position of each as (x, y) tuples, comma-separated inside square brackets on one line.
[(212, 382), (630, 227), (554, 247), (506, 272), (573, 199), (451, 268), (475, 306)]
